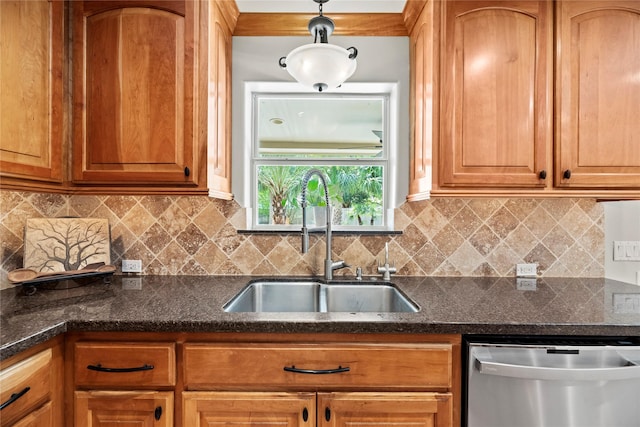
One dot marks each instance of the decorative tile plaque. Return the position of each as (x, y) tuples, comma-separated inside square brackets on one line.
[(62, 244)]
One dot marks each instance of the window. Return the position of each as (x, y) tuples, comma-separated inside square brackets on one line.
[(348, 136)]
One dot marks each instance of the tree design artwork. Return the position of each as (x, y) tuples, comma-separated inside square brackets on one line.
[(62, 244)]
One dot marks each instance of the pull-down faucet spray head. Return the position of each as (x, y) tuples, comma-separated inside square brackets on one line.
[(303, 202)]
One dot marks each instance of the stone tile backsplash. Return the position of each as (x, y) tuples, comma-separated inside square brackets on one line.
[(193, 235)]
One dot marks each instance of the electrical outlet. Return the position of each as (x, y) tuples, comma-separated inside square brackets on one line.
[(526, 270), (131, 266)]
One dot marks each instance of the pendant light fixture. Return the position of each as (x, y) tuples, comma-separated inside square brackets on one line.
[(320, 65)]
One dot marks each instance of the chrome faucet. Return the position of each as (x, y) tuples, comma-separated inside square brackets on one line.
[(329, 264)]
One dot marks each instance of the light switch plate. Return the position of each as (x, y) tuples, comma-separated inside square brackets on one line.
[(626, 250)]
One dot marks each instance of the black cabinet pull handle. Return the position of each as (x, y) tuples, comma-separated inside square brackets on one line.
[(187, 171), (567, 174), (317, 371), (327, 414), (305, 415), (542, 174), (157, 413), (101, 368), (14, 397)]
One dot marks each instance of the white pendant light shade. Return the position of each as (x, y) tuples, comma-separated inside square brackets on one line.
[(321, 65)]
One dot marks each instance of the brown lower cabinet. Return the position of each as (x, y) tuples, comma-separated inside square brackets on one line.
[(328, 380), (123, 408), (31, 387), (326, 409)]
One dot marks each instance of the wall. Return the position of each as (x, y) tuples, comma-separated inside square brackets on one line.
[(441, 237), (622, 223), (380, 59)]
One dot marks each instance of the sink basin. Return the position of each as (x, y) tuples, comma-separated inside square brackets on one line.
[(381, 298), (315, 296)]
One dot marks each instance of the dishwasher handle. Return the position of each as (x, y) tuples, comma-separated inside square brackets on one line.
[(631, 371)]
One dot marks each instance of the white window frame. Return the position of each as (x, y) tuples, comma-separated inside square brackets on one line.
[(389, 91)]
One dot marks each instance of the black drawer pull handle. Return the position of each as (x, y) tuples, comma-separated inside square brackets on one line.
[(101, 368), (14, 397), (337, 370), (567, 174), (157, 413), (542, 174), (187, 171)]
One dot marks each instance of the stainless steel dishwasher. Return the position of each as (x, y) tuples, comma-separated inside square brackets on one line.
[(533, 382)]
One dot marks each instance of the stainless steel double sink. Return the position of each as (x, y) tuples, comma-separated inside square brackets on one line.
[(314, 296)]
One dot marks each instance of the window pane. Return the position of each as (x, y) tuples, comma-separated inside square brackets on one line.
[(355, 192), (332, 127)]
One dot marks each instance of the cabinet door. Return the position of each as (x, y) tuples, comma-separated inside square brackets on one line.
[(385, 409), (123, 408), (31, 84), (135, 92), (41, 417), (424, 100), (496, 94), (222, 18), (598, 94), (248, 409)]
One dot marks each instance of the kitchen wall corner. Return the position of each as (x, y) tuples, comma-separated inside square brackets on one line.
[(622, 223)]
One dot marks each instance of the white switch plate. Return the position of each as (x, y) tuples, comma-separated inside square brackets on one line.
[(626, 250), (131, 266), (526, 270)]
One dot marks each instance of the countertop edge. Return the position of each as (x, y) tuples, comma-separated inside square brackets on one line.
[(356, 327)]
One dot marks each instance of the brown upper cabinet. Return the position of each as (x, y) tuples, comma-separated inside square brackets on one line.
[(222, 19), (149, 89), (535, 98), (496, 82), (598, 94), (490, 101), (31, 83), (136, 103)]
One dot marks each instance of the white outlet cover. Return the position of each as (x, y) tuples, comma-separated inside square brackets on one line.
[(131, 266), (526, 270)]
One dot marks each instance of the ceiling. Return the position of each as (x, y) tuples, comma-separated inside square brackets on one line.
[(327, 125), (310, 6)]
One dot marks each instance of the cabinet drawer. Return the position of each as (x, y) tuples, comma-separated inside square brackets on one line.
[(318, 366), (123, 364), (25, 386)]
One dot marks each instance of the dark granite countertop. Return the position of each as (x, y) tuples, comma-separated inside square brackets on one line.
[(462, 305)]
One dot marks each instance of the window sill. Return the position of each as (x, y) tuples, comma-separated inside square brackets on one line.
[(334, 232)]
